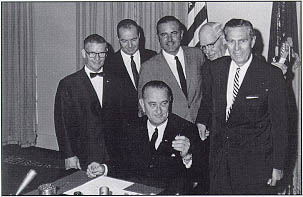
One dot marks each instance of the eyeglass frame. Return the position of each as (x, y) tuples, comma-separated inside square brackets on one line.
[(210, 45), (95, 54)]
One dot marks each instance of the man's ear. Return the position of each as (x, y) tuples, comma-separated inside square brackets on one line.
[(182, 32), (142, 104), (83, 53), (253, 41)]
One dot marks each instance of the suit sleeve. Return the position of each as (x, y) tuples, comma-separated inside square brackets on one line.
[(64, 118), (278, 116), (204, 113)]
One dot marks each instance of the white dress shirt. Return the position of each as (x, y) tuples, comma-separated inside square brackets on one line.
[(170, 59), (127, 63), (97, 83), (151, 130), (231, 76)]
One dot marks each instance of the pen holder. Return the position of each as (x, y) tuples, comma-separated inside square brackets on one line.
[(47, 189)]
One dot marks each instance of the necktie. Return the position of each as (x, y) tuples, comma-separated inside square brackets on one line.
[(181, 76), (134, 70), (153, 140), (92, 75), (235, 91)]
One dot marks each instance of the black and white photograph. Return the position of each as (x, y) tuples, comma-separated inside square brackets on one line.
[(151, 98)]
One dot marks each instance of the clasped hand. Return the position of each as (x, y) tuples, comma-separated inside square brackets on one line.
[(181, 144), (203, 132), (95, 169)]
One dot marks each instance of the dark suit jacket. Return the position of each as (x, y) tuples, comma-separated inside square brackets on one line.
[(157, 68), (129, 105), (80, 122), (253, 140), (136, 156)]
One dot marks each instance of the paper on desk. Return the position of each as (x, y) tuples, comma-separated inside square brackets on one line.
[(116, 186)]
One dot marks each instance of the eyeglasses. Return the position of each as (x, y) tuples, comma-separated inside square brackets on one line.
[(93, 54), (211, 45)]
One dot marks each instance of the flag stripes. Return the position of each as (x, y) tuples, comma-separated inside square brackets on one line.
[(197, 16)]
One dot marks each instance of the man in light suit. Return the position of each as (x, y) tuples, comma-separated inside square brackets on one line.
[(246, 100), (86, 107), (126, 64), (160, 145), (179, 67)]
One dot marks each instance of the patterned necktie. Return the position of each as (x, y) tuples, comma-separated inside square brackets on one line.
[(181, 76), (235, 91), (92, 75), (153, 140), (134, 70)]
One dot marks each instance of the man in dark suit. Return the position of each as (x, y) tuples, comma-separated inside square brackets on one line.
[(86, 106), (160, 145), (246, 101), (179, 67), (126, 64)]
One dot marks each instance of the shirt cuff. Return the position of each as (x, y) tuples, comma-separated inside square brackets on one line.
[(187, 160), (105, 169)]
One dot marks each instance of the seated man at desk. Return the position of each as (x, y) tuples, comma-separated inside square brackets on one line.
[(159, 145)]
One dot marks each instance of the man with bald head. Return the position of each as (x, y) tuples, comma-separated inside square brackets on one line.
[(212, 40)]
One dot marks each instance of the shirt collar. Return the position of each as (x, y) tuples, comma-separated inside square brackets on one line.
[(88, 71), (244, 66), (136, 54), (160, 127), (169, 56)]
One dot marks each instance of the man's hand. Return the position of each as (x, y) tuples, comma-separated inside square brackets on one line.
[(72, 162), (276, 176), (282, 66), (181, 144), (95, 169), (203, 132)]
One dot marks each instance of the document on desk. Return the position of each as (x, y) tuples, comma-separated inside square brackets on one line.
[(116, 186)]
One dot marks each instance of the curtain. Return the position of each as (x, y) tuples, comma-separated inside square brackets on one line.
[(18, 75), (103, 17)]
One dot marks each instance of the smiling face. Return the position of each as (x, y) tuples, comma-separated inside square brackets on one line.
[(129, 39), (155, 103), (170, 36), (94, 63), (239, 44)]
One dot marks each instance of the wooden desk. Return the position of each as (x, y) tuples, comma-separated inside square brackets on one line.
[(78, 178)]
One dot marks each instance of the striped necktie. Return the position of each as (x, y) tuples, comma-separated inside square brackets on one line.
[(181, 76), (235, 91)]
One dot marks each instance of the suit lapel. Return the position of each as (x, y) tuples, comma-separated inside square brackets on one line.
[(188, 71), (223, 80), (247, 84), (170, 76), (125, 74)]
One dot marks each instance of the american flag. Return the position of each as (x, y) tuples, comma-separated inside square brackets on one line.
[(197, 16)]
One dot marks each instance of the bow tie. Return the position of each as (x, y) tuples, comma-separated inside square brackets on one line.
[(92, 75)]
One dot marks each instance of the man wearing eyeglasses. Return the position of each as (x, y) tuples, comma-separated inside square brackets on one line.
[(212, 41), (86, 106), (126, 64)]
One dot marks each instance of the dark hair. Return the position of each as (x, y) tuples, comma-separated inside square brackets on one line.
[(167, 19), (159, 85), (127, 23), (94, 38), (240, 23)]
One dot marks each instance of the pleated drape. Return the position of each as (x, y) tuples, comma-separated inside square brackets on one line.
[(18, 75), (102, 18)]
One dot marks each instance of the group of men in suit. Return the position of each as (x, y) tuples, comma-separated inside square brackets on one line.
[(97, 109)]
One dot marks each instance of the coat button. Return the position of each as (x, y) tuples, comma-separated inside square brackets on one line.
[(151, 166)]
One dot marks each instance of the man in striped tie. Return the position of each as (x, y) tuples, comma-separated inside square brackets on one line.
[(245, 98)]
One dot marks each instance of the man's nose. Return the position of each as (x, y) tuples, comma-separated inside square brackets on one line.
[(237, 46), (158, 109), (130, 44), (169, 37)]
